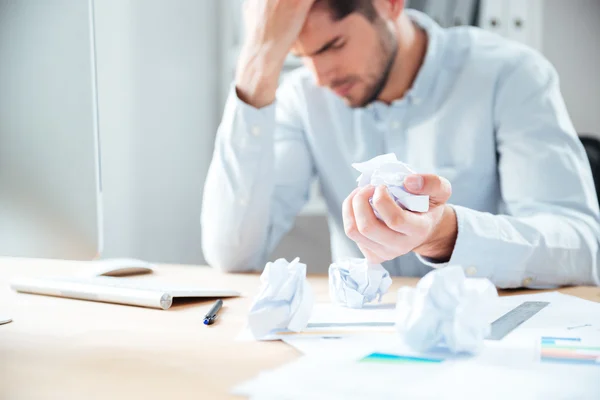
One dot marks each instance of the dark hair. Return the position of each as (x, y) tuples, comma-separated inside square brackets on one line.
[(342, 8)]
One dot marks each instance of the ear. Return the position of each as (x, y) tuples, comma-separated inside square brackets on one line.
[(389, 9)]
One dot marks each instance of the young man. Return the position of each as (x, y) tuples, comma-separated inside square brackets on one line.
[(474, 114)]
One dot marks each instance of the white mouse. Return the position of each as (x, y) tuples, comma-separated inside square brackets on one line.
[(122, 267), (4, 319)]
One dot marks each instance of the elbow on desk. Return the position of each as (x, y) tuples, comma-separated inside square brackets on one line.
[(219, 251), (226, 258)]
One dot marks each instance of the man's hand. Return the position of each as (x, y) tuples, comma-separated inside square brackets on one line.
[(431, 234), (272, 27)]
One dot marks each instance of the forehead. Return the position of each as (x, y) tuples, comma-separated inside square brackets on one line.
[(319, 27)]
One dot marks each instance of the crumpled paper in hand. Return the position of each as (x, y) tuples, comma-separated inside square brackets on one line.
[(285, 300), (387, 170), (446, 309), (353, 282)]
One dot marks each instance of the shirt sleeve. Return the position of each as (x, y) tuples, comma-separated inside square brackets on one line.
[(549, 235), (258, 181)]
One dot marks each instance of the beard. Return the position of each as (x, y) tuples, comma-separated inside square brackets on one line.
[(378, 79), (374, 90)]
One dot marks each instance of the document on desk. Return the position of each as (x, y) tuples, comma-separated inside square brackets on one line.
[(549, 356), (331, 378), (564, 311), (331, 320), (331, 323)]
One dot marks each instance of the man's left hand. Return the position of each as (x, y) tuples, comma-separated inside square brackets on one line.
[(431, 234)]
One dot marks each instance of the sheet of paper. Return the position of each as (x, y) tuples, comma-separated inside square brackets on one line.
[(285, 300), (327, 378), (517, 352), (330, 320), (564, 312), (380, 366), (387, 170), (354, 282), (446, 309), (338, 323)]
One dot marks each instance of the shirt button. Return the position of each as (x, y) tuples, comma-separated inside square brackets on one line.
[(416, 100), (471, 271), (256, 131), (243, 201), (395, 125), (527, 281)]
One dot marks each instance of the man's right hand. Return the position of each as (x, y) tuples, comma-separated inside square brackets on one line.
[(272, 27)]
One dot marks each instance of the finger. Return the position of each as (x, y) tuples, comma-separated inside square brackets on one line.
[(396, 218), (351, 228), (436, 187), (371, 257), (348, 217), (367, 223)]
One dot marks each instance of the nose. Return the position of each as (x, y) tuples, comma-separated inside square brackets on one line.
[(323, 69)]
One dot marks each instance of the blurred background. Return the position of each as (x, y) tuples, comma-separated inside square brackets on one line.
[(164, 68)]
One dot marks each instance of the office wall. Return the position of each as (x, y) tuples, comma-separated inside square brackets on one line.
[(571, 41), (157, 79)]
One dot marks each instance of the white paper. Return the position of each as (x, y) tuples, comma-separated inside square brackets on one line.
[(353, 282), (446, 309), (387, 170), (285, 300), (332, 325), (334, 321), (328, 313), (332, 378), (339, 347)]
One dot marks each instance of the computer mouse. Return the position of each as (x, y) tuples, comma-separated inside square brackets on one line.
[(4, 319), (119, 267)]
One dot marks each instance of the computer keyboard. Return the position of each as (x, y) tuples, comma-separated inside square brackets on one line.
[(133, 291), (132, 283)]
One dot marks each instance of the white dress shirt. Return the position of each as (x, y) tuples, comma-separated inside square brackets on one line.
[(484, 112)]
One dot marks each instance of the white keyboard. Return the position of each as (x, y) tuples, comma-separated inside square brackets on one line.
[(136, 292), (134, 284)]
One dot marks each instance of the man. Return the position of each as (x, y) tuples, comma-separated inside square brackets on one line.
[(474, 114)]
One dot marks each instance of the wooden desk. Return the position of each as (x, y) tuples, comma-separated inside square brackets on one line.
[(59, 348)]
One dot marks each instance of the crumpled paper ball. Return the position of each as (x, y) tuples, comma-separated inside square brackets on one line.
[(353, 282), (285, 300), (387, 170), (446, 309)]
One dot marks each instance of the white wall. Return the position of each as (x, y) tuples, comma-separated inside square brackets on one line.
[(571, 41), (157, 84)]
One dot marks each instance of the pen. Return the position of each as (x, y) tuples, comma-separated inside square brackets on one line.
[(211, 315)]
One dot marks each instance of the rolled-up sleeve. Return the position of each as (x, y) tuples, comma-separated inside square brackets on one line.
[(549, 232)]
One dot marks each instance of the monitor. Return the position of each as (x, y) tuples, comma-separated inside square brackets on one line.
[(50, 184)]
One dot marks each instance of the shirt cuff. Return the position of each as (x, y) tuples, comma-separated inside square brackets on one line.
[(480, 252)]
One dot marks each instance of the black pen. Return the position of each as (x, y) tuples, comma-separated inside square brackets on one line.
[(211, 316)]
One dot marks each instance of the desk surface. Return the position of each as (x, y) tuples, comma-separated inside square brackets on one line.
[(63, 348)]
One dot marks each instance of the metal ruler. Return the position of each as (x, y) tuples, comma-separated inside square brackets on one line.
[(515, 317)]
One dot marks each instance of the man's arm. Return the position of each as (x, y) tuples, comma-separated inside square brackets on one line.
[(260, 174), (551, 234)]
